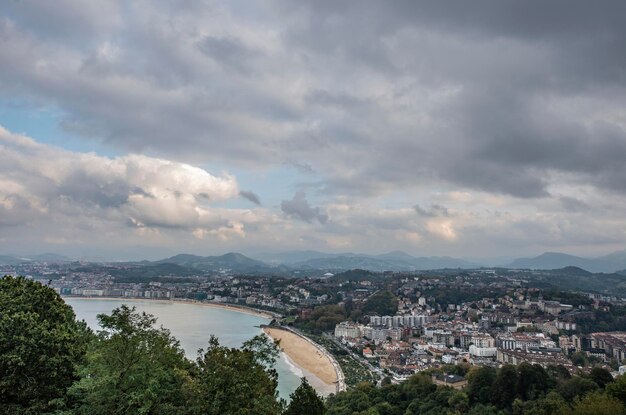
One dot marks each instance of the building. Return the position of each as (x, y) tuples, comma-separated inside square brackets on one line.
[(483, 340), (454, 381), (533, 355), (613, 343), (523, 341), (348, 330), (476, 351), (565, 325)]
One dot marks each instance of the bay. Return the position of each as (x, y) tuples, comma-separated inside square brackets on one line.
[(193, 324)]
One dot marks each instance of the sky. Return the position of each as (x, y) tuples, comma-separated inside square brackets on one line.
[(483, 129)]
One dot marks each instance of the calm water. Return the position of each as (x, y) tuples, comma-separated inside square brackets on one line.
[(193, 324)]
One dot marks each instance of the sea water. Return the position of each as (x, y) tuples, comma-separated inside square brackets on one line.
[(193, 324)]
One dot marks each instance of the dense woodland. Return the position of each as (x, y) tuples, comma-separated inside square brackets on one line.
[(52, 364)]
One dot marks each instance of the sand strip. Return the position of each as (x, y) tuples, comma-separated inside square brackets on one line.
[(304, 354), (232, 307)]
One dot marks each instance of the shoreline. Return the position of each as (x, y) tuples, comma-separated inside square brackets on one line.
[(232, 307), (308, 355)]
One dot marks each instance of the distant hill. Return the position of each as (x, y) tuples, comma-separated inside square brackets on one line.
[(307, 261), (49, 257), (616, 259), (291, 257), (232, 261), (393, 261), (11, 260), (573, 271), (15, 260), (555, 260), (148, 272), (574, 278), (396, 255)]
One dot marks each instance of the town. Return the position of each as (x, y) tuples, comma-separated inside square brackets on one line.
[(393, 325)]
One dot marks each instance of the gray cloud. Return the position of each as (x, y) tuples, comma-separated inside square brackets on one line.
[(483, 102), (250, 196), (299, 208), (434, 211), (365, 99), (571, 204)]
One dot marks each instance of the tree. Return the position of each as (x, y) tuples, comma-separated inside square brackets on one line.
[(598, 403), (459, 402), (305, 400), (132, 367), (617, 389), (601, 376), (480, 381), (579, 359), (40, 345), (532, 381), (576, 386), (553, 404), (237, 381), (505, 387), (381, 303)]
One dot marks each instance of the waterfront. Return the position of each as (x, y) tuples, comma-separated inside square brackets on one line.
[(309, 355), (193, 324)]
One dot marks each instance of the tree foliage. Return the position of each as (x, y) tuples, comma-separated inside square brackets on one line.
[(304, 400), (381, 303), (236, 381), (40, 345), (132, 367)]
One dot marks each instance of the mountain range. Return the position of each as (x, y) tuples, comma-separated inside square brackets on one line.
[(233, 261), (552, 260), (292, 261)]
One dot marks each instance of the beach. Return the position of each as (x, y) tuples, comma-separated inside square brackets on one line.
[(305, 354), (233, 307)]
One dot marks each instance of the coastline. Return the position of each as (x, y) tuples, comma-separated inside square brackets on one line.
[(232, 307), (308, 355)]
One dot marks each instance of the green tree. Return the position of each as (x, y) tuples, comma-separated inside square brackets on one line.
[(382, 303), (505, 387), (132, 368), (237, 381), (579, 359), (40, 345), (459, 402), (617, 389), (598, 403), (601, 376), (533, 381), (479, 383), (305, 400), (552, 404), (575, 387)]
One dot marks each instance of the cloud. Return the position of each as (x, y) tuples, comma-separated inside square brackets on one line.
[(299, 208), (516, 105), (137, 189), (573, 204), (434, 211), (250, 196), (495, 101)]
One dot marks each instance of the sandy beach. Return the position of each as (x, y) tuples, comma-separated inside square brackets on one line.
[(232, 307), (304, 354)]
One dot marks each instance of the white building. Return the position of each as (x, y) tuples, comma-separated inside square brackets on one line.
[(482, 351), (348, 330)]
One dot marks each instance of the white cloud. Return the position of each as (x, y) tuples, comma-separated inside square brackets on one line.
[(144, 191)]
